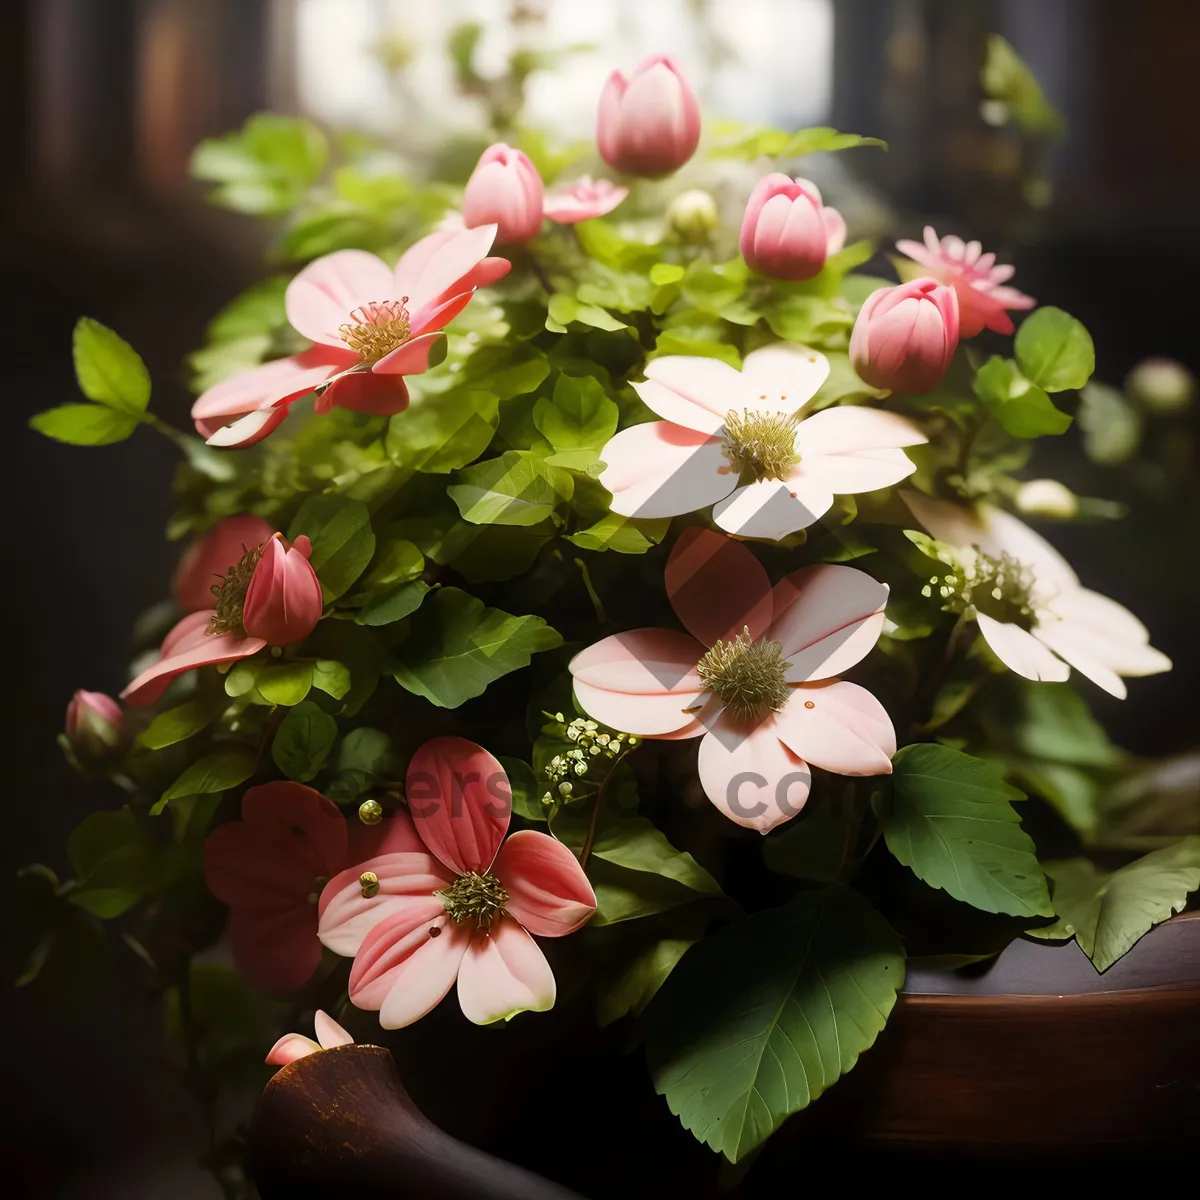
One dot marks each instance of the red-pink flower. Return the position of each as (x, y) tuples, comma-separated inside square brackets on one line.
[(905, 336), (270, 867), (372, 325), (979, 282), (462, 906), (94, 725), (504, 190), (283, 602), (755, 676), (583, 200), (648, 124), (787, 232), (292, 1046), (207, 560)]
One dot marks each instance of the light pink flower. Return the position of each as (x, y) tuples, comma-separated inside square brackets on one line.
[(755, 676), (732, 439), (372, 325), (979, 282), (787, 232), (905, 336), (648, 124), (270, 867), (460, 907), (292, 1046), (283, 602), (1043, 622), (582, 201), (206, 561), (504, 190)]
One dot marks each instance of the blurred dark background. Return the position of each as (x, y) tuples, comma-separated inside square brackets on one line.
[(102, 101)]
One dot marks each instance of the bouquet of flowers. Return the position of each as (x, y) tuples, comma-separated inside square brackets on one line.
[(595, 584)]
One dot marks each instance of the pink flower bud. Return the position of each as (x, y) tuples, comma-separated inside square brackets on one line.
[(650, 124), (905, 336), (787, 232), (504, 190), (206, 561), (94, 726), (283, 602)]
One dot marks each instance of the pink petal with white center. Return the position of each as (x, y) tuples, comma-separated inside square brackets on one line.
[(717, 587), (407, 881), (838, 727), (289, 1048), (662, 470), (1020, 651), (366, 392), (460, 800), (406, 965), (324, 294), (780, 378), (504, 973), (692, 391), (642, 662), (426, 274), (666, 715), (1121, 640), (547, 889), (827, 618), (329, 1032), (750, 775), (275, 952), (773, 508)]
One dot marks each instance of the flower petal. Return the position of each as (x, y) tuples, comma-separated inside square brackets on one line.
[(1052, 573), (1108, 629), (717, 587), (750, 775), (692, 391), (504, 973), (412, 358), (366, 392), (323, 295), (245, 431), (205, 651), (429, 270), (329, 1032), (853, 428), (289, 1048), (275, 952), (662, 470), (838, 727), (547, 889), (851, 473), (773, 508), (394, 835), (781, 378), (827, 618), (460, 800), (267, 386), (643, 662), (1020, 651)]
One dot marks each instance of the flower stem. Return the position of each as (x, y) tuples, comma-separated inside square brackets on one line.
[(539, 272)]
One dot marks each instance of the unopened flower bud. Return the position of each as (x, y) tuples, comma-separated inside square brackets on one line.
[(95, 726), (692, 216), (1162, 385), (283, 601), (1047, 498)]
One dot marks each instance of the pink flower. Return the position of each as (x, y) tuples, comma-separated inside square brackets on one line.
[(460, 907), (206, 561), (506, 191), (754, 676), (372, 326), (905, 336), (270, 867), (982, 298), (95, 725), (292, 1046), (582, 200), (734, 440), (1028, 602), (283, 601), (650, 124), (787, 232)]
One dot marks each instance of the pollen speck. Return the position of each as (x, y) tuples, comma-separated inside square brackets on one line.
[(809, 704)]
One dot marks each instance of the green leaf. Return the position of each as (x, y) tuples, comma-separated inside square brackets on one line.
[(760, 1019), (842, 384), (343, 542), (331, 677), (527, 793), (518, 488), (666, 273), (1014, 92), (178, 724), (1057, 724), (109, 370), (440, 433), (1021, 408), (563, 310), (285, 683), (625, 535), (368, 750), (395, 606), (1111, 426), (1054, 350), (457, 646), (303, 741), (812, 847), (580, 416), (778, 143), (114, 863), (632, 988), (952, 823), (242, 678), (672, 342), (216, 772), (84, 424), (1107, 913)]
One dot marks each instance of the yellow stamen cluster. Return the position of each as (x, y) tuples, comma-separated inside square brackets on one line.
[(997, 587), (231, 594), (477, 899), (377, 329), (760, 445), (747, 675)]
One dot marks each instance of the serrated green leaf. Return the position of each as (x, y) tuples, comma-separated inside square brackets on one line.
[(517, 488), (303, 741), (84, 424), (343, 542), (178, 724), (1108, 913), (438, 434), (760, 1019), (952, 823), (1022, 409), (217, 772), (1054, 350), (457, 646), (108, 369)]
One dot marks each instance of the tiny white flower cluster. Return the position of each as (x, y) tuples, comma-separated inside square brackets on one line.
[(591, 741)]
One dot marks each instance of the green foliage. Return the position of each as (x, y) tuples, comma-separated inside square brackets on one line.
[(632, 988), (625, 535), (518, 488), (342, 540), (778, 143), (303, 741), (457, 645), (760, 1019), (178, 724), (84, 424), (115, 863), (1022, 408), (1111, 426), (1054, 350), (951, 821), (216, 772), (443, 432), (580, 417), (248, 331), (1014, 95), (1107, 913)]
